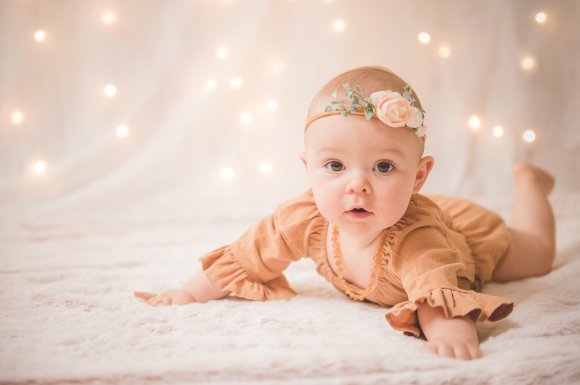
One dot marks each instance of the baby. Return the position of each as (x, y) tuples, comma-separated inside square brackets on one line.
[(370, 232)]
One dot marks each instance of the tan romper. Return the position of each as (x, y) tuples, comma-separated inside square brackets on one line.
[(442, 251)]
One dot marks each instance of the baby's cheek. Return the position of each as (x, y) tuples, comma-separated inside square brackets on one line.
[(394, 205), (326, 202)]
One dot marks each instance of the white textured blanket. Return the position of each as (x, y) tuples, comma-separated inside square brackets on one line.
[(67, 317)]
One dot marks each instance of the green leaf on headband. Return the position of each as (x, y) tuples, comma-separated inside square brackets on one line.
[(344, 113), (369, 112)]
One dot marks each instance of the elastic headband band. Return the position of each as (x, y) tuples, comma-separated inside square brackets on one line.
[(328, 113), (390, 107)]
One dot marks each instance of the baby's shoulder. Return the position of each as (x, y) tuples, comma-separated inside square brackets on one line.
[(423, 228), (423, 212), (299, 212)]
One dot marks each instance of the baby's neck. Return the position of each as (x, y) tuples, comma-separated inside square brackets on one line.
[(359, 241)]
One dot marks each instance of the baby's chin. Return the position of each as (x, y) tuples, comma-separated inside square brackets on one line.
[(362, 228)]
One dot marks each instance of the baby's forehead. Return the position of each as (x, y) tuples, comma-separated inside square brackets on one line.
[(354, 133)]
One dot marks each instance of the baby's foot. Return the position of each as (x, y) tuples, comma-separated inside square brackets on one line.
[(527, 173)]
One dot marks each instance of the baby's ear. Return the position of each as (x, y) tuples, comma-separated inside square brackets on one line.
[(303, 157), (423, 170)]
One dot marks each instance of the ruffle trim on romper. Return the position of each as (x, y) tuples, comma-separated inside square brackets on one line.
[(228, 274), (454, 302)]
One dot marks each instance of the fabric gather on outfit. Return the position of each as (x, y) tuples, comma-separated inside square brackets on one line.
[(441, 252)]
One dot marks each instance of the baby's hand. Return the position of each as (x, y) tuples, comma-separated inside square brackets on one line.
[(451, 347), (171, 297)]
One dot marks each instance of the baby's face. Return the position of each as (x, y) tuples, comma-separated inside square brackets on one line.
[(362, 172)]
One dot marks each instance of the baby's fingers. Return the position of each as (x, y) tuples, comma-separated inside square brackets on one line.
[(475, 352), (462, 352), (143, 295), (431, 348)]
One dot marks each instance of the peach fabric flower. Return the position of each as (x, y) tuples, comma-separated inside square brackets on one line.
[(421, 131), (391, 108), (415, 119)]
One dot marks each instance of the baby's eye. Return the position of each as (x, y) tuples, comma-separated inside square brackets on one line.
[(384, 167), (334, 165)]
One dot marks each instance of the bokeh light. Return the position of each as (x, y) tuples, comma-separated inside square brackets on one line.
[(529, 136), (474, 122), (110, 90), (227, 173), (108, 17), (541, 17), (17, 117), (338, 25), (40, 36), (424, 38), (122, 131), (236, 82)]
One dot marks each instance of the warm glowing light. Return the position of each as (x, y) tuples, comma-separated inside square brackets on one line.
[(227, 173), (424, 37), (40, 167), (497, 131), (246, 118), (39, 36), (108, 17), (122, 131), (222, 52), (541, 17), (276, 66), (210, 84), (272, 105), (528, 63), (338, 25), (444, 51), (236, 82), (328, 1), (17, 117), (474, 122), (529, 136), (265, 168), (110, 90)]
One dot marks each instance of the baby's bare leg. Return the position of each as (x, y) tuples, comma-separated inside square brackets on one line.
[(533, 246)]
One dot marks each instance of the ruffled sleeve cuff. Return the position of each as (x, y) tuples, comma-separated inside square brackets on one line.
[(228, 274), (454, 302)]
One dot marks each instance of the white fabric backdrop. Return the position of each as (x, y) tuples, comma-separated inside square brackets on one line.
[(160, 55), (111, 215)]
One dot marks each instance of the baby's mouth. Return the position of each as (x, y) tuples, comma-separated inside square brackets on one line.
[(358, 213), (359, 210)]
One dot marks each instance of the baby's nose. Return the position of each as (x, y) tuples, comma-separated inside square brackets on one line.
[(358, 184)]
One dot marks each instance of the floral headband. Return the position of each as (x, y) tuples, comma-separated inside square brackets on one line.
[(391, 108)]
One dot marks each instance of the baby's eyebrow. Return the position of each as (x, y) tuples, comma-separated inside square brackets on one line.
[(393, 151), (379, 151), (328, 149)]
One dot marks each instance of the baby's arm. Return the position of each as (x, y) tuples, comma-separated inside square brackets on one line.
[(198, 289), (453, 337)]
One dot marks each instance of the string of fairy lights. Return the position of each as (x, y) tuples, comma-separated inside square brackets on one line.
[(444, 51)]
